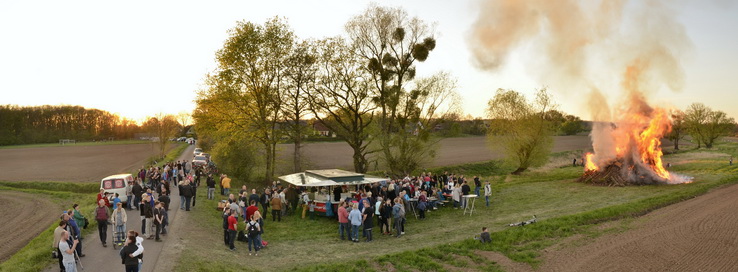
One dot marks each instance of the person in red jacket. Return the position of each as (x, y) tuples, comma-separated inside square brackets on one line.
[(251, 210), (343, 222), (104, 196)]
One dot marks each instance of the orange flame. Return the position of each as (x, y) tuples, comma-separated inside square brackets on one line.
[(590, 165)]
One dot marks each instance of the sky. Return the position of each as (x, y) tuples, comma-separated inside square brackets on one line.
[(140, 58)]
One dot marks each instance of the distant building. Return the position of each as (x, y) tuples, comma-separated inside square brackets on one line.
[(322, 129)]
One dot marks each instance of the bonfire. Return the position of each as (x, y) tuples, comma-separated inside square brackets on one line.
[(628, 152)]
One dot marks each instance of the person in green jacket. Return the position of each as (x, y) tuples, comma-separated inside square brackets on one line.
[(78, 217)]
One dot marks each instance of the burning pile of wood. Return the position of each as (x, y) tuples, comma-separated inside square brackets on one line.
[(614, 175)]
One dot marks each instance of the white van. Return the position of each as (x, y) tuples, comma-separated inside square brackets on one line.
[(117, 184)]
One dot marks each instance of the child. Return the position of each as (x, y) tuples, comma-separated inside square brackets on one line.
[(116, 200), (312, 210), (484, 236)]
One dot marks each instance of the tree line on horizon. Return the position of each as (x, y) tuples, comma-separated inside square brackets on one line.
[(50, 123)]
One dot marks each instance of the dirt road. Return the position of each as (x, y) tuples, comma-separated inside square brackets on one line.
[(699, 234), (72, 163), (101, 258), (451, 151), (29, 213)]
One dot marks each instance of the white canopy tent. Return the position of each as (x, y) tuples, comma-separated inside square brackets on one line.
[(329, 177)]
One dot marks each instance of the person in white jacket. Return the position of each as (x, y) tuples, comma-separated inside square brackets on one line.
[(487, 192), (139, 252)]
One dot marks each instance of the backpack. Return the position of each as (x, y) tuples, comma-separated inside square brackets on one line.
[(101, 213), (252, 230)]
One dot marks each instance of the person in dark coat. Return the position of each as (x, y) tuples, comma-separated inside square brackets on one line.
[(129, 261), (187, 193)]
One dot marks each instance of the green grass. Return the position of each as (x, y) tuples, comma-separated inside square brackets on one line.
[(55, 186), (36, 255), (120, 142), (564, 208)]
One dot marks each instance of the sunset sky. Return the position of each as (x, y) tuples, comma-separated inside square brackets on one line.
[(139, 58)]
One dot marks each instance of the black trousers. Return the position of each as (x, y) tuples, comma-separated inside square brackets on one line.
[(225, 236), (231, 239), (61, 265), (382, 223), (132, 268), (277, 214), (102, 228), (422, 213), (266, 212), (158, 230)]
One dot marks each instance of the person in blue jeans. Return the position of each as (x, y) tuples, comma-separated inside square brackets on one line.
[(355, 218), (253, 229), (487, 192)]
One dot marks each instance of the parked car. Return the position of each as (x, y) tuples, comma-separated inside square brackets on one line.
[(197, 152), (200, 161), (117, 184)]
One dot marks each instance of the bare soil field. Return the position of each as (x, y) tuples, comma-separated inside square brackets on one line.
[(694, 235), (72, 163), (30, 215), (451, 151)]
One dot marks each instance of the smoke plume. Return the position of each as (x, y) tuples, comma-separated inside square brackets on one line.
[(619, 52)]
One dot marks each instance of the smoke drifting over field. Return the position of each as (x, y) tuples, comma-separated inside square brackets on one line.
[(627, 49)]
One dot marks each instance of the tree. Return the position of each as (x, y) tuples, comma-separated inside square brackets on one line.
[(250, 80), (678, 127), (342, 98), (300, 74), (522, 129), (162, 127), (390, 42), (706, 125)]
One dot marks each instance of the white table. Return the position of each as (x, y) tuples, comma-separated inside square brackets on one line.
[(468, 207)]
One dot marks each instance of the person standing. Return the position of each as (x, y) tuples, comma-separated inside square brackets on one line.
[(67, 252), (276, 208), (343, 222), (74, 230), (465, 190), (119, 222), (397, 214), (182, 200), (305, 203), (225, 182), (456, 195), (137, 191), (265, 201), (226, 214), (102, 215), (158, 220), (355, 218), (129, 261), (253, 230), (58, 231), (129, 195), (368, 220), (385, 214), (232, 227), (142, 212), (477, 185), (149, 214), (487, 192), (210, 182), (187, 193)]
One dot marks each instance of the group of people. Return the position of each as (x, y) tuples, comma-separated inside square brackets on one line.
[(390, 201), (67, 237)]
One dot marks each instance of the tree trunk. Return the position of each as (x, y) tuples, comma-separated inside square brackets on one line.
[(359, 160), (676, 144), (518, 171), (297, 154)]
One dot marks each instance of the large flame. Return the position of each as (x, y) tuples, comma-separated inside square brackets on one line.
[(590, 165)]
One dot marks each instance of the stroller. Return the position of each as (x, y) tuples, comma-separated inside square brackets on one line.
[(119, 238)]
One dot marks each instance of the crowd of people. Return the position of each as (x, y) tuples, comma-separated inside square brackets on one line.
[(149, 193), (385, 204)]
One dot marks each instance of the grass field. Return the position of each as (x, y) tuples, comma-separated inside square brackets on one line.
[(77, 144), (443, 241)]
